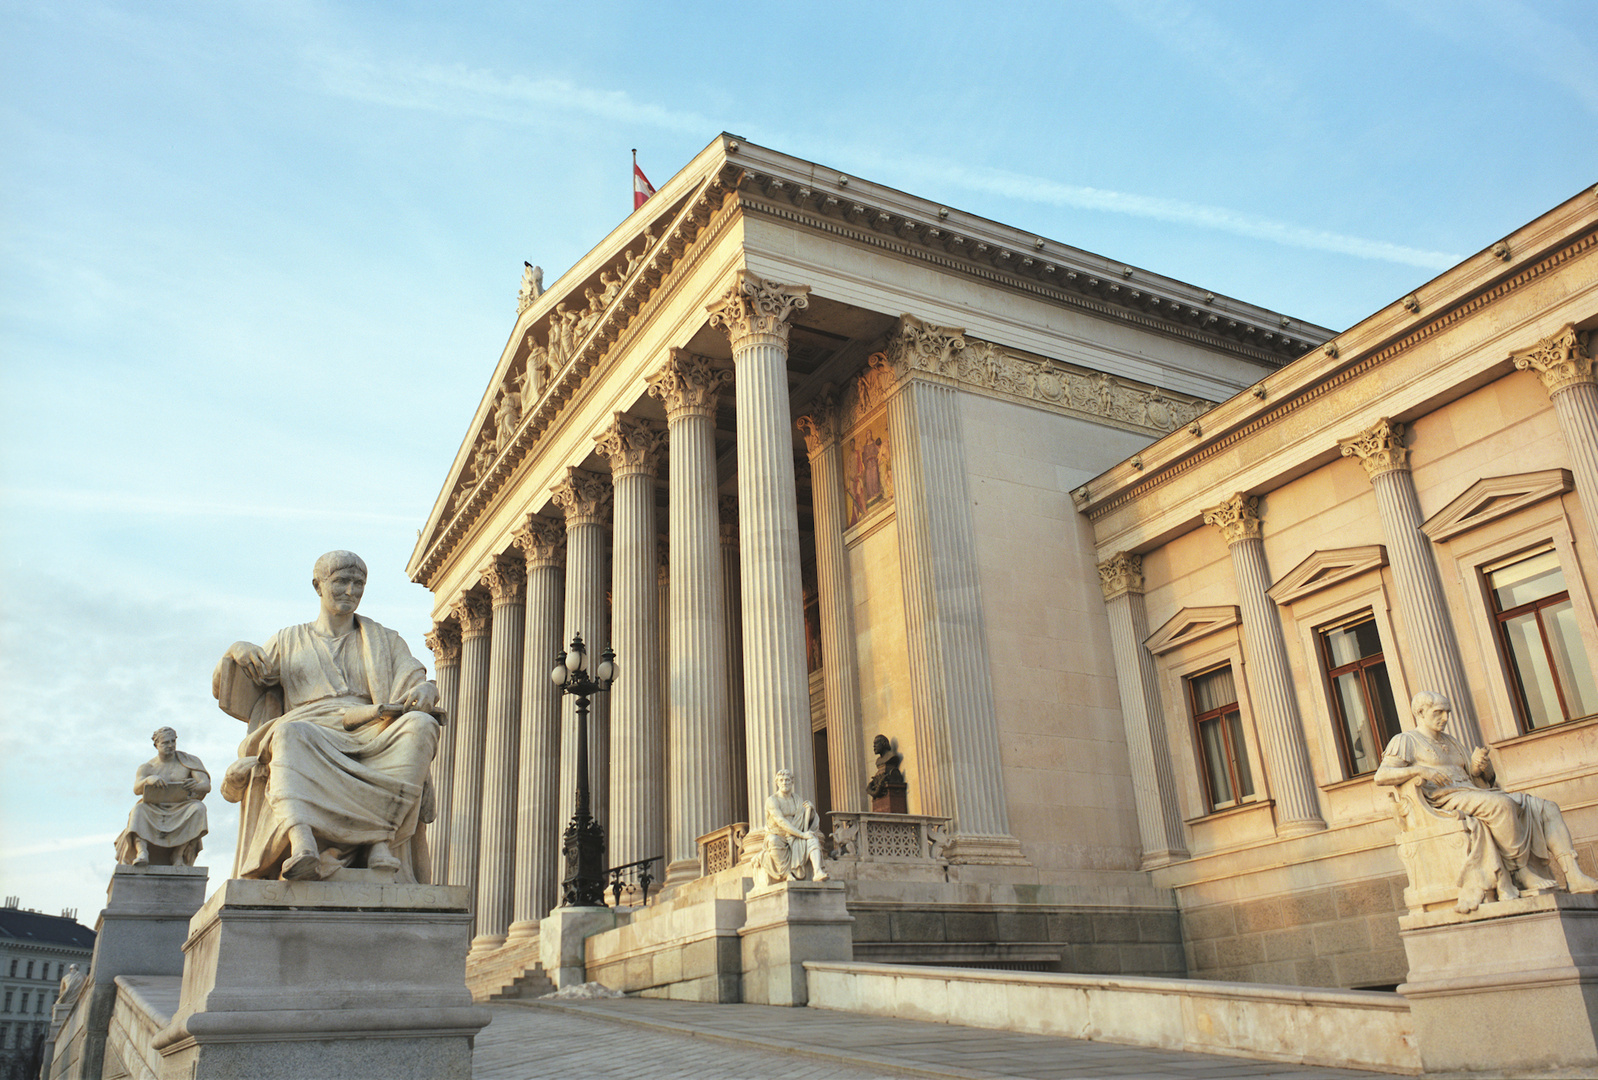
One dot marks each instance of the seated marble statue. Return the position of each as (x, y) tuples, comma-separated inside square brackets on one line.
[(793, 835), (1512, 828), (167, 822), (333, 771)]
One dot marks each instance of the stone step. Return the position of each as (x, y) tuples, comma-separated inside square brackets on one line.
[(531, 983)]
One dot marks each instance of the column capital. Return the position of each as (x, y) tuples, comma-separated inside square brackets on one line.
[(445, 641), (688, 385), (1120, 574), (475, 613), (1560, 361), (633, 446), (1380, 448), (584, 496), (728, 507), (1238, 518), (754, 310), (542, 540), (506, 578), (819, 424)]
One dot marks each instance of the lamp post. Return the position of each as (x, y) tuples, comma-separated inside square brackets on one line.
[(583, 843)]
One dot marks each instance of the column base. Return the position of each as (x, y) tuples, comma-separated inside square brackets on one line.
[(561, 937), (680, 872), (486, 943), (787, 923), (521, 930), (1300, 828), (311, 978), (1510, 988)]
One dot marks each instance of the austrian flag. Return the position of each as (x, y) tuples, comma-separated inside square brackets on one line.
[(642, 188)]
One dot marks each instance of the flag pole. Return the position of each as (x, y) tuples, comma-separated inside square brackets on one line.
[(634, 179)]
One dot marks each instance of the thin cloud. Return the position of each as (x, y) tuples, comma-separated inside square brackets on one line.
[(1211, 49), (51, 846), (86, 501)]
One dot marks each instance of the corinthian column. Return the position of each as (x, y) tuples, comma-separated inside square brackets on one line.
[(731, 570), (1564, 364), (538, 824), (1434, 648), (755, 315), (1153, 785), (637, 801), (1268, 675), (585, 497), (506, 579), (846, 751), (445, 641), (474, 612), (696, 706)]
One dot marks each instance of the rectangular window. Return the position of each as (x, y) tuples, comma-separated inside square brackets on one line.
[(1212, 699), (1537, 632), (1362, 697), (24, 1008), (29, 975), (8, 1000)]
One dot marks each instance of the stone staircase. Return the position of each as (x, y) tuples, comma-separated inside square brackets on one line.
[(511, 971), (531, 983)]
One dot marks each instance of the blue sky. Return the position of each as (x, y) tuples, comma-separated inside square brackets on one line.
[(258, 261)]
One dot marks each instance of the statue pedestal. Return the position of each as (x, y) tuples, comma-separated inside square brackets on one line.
[(346, 979), (1511, 987), (785, 924), (561, 935), (895, 799)]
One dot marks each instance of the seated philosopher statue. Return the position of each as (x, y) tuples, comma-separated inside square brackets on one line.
[(793, 836), (333, 771), (1512, 829), (166, 824)]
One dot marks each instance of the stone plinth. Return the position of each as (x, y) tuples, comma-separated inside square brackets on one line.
[(347, 979), (1511, 987), (787, 923), (561, 934), (684, 947), (140, 932)]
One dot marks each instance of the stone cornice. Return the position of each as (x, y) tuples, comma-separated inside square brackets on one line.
[(1238, 518), (1380, 448), (1120, 574), (755, 311), (688, 385), (1560, 361), (584, 496), (633, 445), (543, 542)]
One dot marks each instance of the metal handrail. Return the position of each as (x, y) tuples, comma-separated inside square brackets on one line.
[(642, 877)]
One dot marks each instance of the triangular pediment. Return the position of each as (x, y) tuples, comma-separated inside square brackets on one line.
[(1190, 624), (1324, 569), (1492, 498)]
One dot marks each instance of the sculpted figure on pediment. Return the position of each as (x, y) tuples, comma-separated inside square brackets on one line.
[(610, 285), (333, 772), (562, 332), (482, 462), (506, 415), (632, 263), (168, 821), (532, 286)]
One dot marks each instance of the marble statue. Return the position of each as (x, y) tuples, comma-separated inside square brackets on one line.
[(532, 286), (1509, 831), (334, 770), (888, 771), (167, 822), (71, 985), (793, 842), (507, 412)]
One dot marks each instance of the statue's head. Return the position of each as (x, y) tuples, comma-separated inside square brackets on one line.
[(784, 780), (165, 739), (339, 578), (880, 745), (1430, 710)]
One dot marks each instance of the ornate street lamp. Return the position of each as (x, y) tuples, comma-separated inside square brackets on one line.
[(583, 843)]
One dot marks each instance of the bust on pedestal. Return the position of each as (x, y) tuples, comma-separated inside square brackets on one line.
[(888, 791)]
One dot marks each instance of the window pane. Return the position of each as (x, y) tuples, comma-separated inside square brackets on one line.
[(1528, 580), (1381, 692), (1215, 762), (1570, 659), (1531, 664), (1245, 780), (1349, 643), (1362, 756), (1214, 690)]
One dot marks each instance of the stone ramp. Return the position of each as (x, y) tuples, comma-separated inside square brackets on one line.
[(654, 1039)]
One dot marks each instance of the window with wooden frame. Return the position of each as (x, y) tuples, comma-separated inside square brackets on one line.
[(1541, 644), (1365, 714), (1218, 725)]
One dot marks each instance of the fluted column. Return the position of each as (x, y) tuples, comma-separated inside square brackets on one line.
[(696, 707), (1159, 815), (755, 315), (585, 497), (1268, 675), (840, 679), (731, 574), (1434, 649), (637, 796), (445, 641), (506, 579), (1564, 364), (956, 723), (538, 824), (474, 612)]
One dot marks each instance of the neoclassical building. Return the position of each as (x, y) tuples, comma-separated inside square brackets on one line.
[(1103, 554)]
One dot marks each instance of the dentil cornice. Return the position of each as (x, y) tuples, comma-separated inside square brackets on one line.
[(1238, 518), (687, 385), (1120, 574), (632, 444), (1380, 448), (584, 496), (1561, 361), (756, 311)]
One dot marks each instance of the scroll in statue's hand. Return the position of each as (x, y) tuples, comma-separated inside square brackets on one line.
[(422, 698), (361, 715)]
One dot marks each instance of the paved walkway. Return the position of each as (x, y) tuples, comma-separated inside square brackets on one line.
[(663, 1040)]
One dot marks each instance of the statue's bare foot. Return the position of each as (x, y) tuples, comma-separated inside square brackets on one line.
[(1575, 880), (821, 875), (381, 857), (1528, 880), (301, 866), (1470, 898)]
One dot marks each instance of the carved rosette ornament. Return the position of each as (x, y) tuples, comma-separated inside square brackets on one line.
[(688, 386), (1120, 574), (1380, 448), (633, 446), (506, 579), (543, 542), (819, 424), (445, 641), (475, 613), (755, 311), (1561, 361), (1238, 518), (728, 506), (584, 496)]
